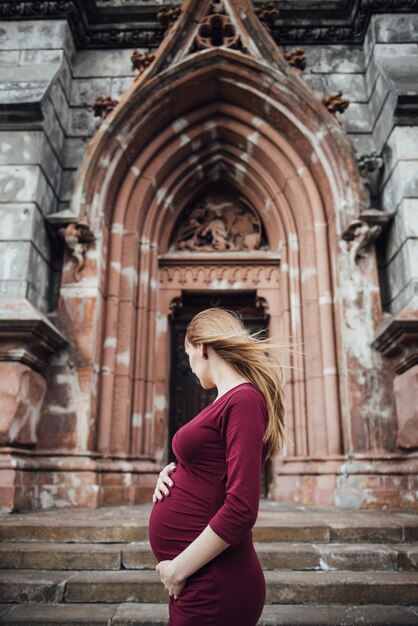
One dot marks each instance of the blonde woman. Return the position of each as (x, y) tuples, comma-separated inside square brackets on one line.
[(206, 504)]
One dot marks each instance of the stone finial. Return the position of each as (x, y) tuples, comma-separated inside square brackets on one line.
[(140, 61), (77, 237), (267, 14), (167, 17), (102, 106), (336, 103), (296, 58)]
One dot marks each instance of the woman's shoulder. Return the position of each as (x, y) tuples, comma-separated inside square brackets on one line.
[(246, 392)]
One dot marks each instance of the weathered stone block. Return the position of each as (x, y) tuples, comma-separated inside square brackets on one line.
[(341, 587), (82, 123), (401, 145), (396, 28), (85, 90), (60, 556), (406, 394), (75, 149), (9, 57), (19, 183), (30, 586), (115, 587), (129, 614), (30, 147), (60, 103), (67, 184), (41, 57), (52, 127), (384, 122), (33, 34), (352, 86), (98, 63), (21, 393), (403, 183), (334, 59), (356, 119), (119, 86), (63, 614)]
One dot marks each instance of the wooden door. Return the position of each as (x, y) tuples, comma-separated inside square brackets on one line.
[(187, 397)]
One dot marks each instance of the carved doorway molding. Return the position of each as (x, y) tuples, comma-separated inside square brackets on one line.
[(217, 280)]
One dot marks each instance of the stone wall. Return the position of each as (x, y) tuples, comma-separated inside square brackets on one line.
[(47, 87)]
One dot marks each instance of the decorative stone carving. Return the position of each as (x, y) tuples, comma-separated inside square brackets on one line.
[(95, 30), (102, 106), (369, 163), (216, 30), (211, 276), (267, 14), (168, 17), (336, 103), (296, 58), (141, 61), (363, 231), (398, 341), (211, 227), (77, 237)]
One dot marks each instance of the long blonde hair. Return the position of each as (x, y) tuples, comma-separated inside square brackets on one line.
[(249, 355)]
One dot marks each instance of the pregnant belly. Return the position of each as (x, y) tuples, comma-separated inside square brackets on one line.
[(180, 517)]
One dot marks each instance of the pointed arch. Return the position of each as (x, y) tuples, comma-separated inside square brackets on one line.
[(216, 115)]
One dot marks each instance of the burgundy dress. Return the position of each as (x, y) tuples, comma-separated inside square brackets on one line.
[(220, 455)]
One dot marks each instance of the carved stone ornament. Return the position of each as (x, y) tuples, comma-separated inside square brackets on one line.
[(296, 58), (267, 14), (168, 17), (102, 106), (211, 276), (363, 231), (92, 27), (219, 227), (369, 163), (336, 103), (141, 61), (216, 30), (77, 237)]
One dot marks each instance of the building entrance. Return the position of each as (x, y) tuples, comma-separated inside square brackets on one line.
[(187, 397)]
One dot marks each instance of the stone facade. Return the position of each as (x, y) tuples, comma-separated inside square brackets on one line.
[(90, 208)]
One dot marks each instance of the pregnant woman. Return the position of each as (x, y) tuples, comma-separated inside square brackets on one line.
[(206, 504)]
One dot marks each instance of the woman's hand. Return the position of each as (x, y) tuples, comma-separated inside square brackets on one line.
[(164, 481), (170, 579)]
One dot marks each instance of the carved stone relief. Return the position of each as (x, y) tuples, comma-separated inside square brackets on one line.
[(219, 224), (213, 276)]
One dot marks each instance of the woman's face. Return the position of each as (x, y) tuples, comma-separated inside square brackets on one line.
[(199, 364)]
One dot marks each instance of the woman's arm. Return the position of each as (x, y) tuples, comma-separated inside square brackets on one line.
[(202, 550)]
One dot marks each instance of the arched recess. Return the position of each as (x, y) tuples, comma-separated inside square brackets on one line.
[(216, 116)]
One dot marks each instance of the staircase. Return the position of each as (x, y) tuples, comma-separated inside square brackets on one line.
[(323, 566)]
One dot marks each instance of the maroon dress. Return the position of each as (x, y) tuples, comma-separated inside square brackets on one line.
[(220, 455)]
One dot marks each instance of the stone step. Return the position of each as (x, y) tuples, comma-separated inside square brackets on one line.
[(138, 555), (283, 587), (127, 533), (275, 523), (130, 614)]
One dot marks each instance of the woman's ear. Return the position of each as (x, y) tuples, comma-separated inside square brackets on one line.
[(203, 350)]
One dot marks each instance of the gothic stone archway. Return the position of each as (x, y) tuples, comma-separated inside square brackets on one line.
[(235, 115)]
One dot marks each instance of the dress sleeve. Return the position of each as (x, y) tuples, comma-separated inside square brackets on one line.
[(242, 429)]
